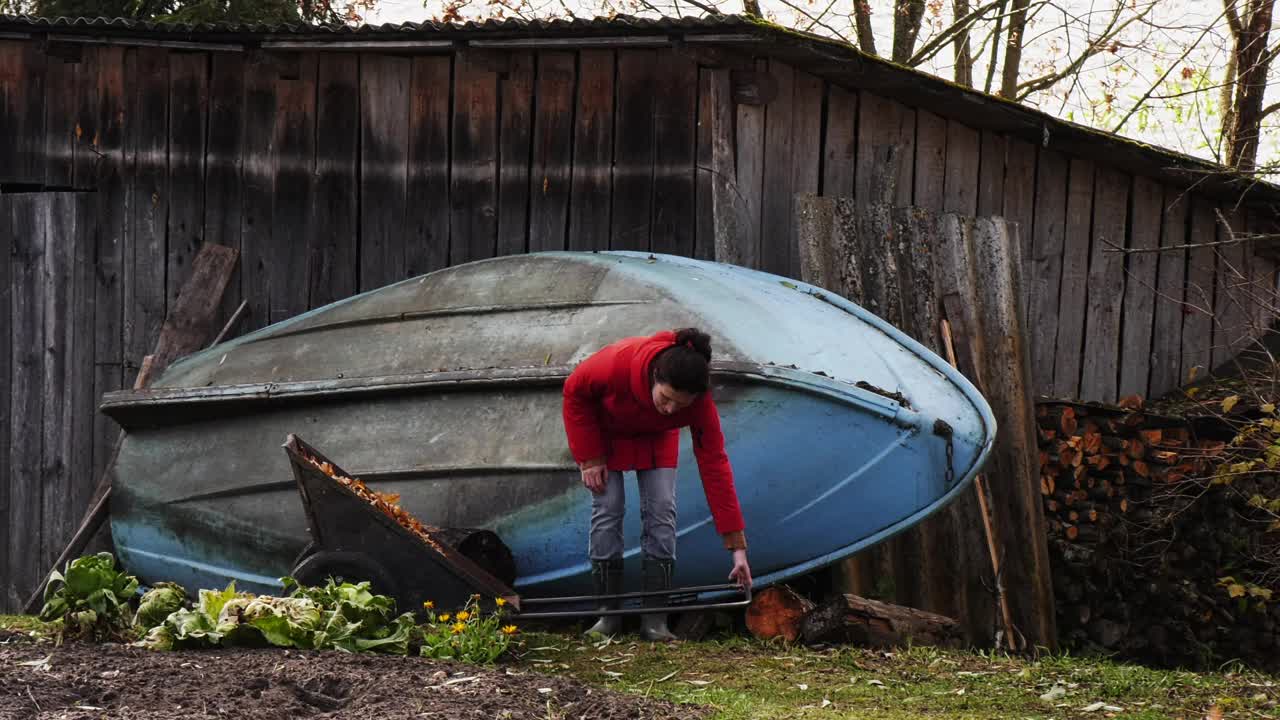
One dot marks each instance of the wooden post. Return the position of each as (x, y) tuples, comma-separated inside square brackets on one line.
[(186, 329)]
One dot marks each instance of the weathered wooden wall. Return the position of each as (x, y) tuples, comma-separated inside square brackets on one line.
[(337, 172)]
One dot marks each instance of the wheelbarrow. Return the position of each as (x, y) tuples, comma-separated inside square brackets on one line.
[(354, 540)]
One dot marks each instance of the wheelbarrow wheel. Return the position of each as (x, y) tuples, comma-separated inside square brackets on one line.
[(319, 566)]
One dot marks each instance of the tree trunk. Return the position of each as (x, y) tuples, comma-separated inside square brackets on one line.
[(907, 16), (870, 623), (1252, 65), (777, 612), (1013, 49), (964, 54), (862, 18)]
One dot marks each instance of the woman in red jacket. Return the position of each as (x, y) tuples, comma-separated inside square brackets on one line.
[(623, 408)]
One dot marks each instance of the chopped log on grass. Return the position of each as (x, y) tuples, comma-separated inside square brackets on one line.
[(871, 623), (777, 612)]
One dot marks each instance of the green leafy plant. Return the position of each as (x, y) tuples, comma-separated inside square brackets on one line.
[(90, 600), (158, 603), (467, 634), (344, 616)]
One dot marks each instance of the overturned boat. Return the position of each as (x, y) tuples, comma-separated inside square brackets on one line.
[(445, 390)]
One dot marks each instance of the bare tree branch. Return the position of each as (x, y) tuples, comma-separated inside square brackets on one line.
[(995, 48), (960, 25), (1114, 27)]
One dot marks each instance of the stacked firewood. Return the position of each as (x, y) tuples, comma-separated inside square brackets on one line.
[(1139, 542)]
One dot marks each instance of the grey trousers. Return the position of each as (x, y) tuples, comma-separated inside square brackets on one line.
[(657, 515)]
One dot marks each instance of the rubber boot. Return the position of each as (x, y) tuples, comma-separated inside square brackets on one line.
[(657, 576), (606, 579)]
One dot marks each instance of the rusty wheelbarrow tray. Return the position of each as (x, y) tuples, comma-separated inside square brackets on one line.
[(353, 539)]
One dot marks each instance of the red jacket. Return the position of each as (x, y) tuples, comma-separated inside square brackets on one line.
[(609, 414)]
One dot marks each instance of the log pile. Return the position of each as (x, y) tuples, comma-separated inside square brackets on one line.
[(1139, 542)]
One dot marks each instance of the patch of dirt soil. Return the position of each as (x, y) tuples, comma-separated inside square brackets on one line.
[(80, 681)]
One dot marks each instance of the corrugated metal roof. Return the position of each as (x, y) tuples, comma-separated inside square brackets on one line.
[(615, 24)]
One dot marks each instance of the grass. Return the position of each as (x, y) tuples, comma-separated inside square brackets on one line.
[(19, 622), (740, 678)]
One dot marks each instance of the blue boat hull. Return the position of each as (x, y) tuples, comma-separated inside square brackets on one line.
[(824, 467)]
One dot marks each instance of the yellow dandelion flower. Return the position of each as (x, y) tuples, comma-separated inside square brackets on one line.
[(500, 601), (444, 617), (463, 615), (428, 605), (459, 627), (509, 630)]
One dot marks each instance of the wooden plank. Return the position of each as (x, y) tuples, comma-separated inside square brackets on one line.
[(920, 569), (675, 144), (730, 209), (87, 101), (111, 218), (1101, 367), (26, 436), (334, 217), (883, 122), (1231, 320), (384, 145), (779, 159), (187, 328), (294, 143), (991, 171), (806, 155), (1045, 274), (954, 267), (1197, 323), (591, 184), (1262, 278), (931, 162), (7, 414), (1139, 303), (840, 145), (964, 158), (82, 402), (552, 151), (225, 145), (473, 193), (1019, 207), (704, 244), (1072, 298), (144, 286), (258, 171), (427, 209), (743, 247), (60, 122), (188, 111), (1166, 342), (1017, 517), (633, 151), (57, 211), (190, 321), (22, 111), (515, 136)]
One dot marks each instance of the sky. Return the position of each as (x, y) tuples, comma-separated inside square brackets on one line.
[(1151, 54)]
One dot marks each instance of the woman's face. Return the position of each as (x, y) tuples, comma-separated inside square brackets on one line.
[(669, 400)]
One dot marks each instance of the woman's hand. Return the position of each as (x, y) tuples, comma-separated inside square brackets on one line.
[(594, 475), (741, 572)]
